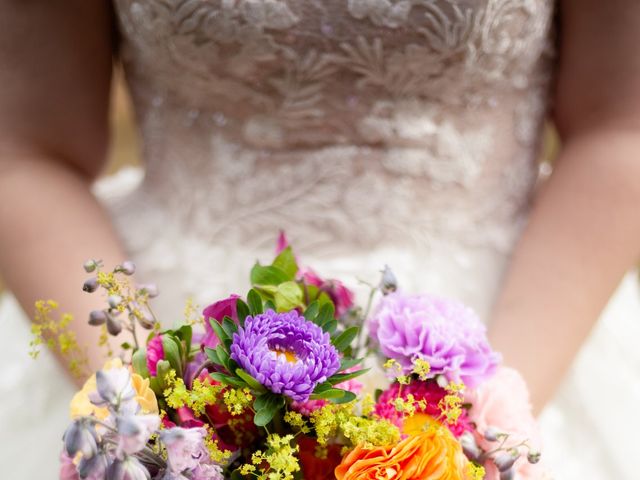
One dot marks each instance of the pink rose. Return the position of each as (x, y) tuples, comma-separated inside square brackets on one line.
[(155, 353), (502, 402), (217, 311)]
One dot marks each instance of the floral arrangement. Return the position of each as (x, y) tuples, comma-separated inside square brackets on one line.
[(273, 385)]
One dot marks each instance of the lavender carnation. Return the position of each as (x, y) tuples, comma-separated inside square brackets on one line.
[(285, 352), (445, 333)]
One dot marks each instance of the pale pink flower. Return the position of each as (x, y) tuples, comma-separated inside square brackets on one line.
[(133, 433), (502, 403), (185, 448)]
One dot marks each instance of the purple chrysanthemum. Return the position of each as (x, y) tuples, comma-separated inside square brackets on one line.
[(444, 332), (285, 352)]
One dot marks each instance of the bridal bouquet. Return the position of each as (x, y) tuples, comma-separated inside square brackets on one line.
[(274, 385)]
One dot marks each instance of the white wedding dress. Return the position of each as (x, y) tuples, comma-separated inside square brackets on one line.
[(400, 132)]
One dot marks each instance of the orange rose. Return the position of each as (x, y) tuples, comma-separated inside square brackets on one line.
[(430, 455)]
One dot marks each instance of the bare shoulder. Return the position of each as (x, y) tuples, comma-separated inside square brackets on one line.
[(55, 69)]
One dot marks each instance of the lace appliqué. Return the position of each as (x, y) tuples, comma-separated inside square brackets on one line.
[(351, 122)]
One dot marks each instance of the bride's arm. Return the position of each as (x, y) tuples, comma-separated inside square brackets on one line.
[(55, 67), (584, 231)]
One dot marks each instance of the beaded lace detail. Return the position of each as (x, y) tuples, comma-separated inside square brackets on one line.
[(352, 124)]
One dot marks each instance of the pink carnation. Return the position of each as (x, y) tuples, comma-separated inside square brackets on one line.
[(503, 404), (155, 353), (429, 391)]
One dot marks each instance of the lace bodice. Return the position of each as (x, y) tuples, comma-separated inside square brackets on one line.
[(405, 126)]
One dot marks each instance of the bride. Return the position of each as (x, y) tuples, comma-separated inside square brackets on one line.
[(403, 132)]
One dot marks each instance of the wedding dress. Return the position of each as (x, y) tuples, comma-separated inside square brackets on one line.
[(400, 132)]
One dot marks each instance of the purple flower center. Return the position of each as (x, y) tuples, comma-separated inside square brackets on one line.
[(285, 353)]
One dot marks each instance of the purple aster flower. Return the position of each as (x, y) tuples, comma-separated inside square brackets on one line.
[(444, 332), (285, 352)]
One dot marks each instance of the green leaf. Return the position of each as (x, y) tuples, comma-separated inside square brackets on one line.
[(212, 354), (332, 393), (348, 362), (223, 355), (321, 387), (342, 341), (343, 377), (172, 353), (229, 326), (252, 382), (269, 407), (236, 475), (185, 333), (347, 397), (139, 363), (228, 380), (270, 275), (288, 296), (330, 326), (242, 310), (327, 312), (286, 262), (162, 368), (218, 330), (255, 302), (125, 346), (269, 305), (312, 311)]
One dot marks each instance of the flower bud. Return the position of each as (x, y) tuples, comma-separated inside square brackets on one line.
[(533, 456), (128, 469), (508, 474), (145, 319), (389, 283), (127, 267), (90, 266), (114, 326), (80, 437), (114, 301), (90, 285), (97, 317), (505, 460), (93, 467), (470, 446), (149, 289), (491, 434)]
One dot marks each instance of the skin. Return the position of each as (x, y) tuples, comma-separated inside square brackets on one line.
[(584, 230), (583, 235)]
